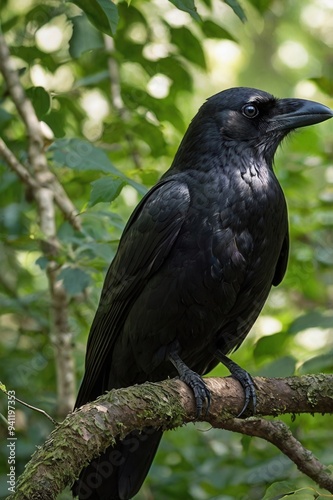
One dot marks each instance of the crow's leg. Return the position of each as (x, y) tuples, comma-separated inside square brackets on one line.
[(193, 380), (243, 377)]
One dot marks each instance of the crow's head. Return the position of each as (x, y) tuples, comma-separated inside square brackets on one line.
[(249, 120), (246, 113), (249, 115)]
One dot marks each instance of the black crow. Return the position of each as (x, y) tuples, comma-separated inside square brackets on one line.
[(194, 267)]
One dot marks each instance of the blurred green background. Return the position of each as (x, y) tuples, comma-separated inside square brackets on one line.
[(167, 63)]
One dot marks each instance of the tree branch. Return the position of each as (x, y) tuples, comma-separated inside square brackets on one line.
[(47, 191), (86, 433), (278, 433), (16, 166), (59, 195), (62, 342)]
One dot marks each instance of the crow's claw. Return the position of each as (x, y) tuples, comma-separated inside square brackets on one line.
[(193, 380), (200, 391), (244, 378)]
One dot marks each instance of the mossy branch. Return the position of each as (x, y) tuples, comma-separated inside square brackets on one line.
[(87, 432)]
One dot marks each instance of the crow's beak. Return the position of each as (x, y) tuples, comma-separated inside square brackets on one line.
[(295, 113)]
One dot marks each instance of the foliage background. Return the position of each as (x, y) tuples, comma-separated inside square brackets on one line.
[(106, 153)]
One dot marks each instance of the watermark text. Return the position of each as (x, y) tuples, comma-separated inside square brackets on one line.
[(11, 442)]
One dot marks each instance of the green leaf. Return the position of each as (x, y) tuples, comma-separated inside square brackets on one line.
[(31, 55), (103, 14), (9, 24), (152, 135), (105, 189), (237, 8), (84, 37), (246, 441), (81, 155), (318, 364), (269, 345), (305, 495), (40, 99), (93, 250), (74, 280), (5, 117), (313, 319), (42, 262), (324, 84), (92, 79), (175, 70), (190, 47), (57, 120), (261, 5), (213, 30), (187, 6), (279, 490), (282, 367), (128, 15)]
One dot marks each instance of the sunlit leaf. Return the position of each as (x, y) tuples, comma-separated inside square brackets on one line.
[(189, 45), (279, 490), (214, 30), (105, 189), (187, 6), (85, 37), (103, 14), (261, 5), (237, 8), (325, 84), (269, 345), (312, 319)]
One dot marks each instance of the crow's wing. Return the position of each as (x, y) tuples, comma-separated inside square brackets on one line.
[(145, 244)]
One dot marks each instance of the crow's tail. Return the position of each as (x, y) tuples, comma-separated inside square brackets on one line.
[(120, 471)]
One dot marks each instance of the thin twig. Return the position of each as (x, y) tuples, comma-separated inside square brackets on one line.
[(54, 422)]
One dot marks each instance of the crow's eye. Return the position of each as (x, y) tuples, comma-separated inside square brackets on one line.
[(250, 110)]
